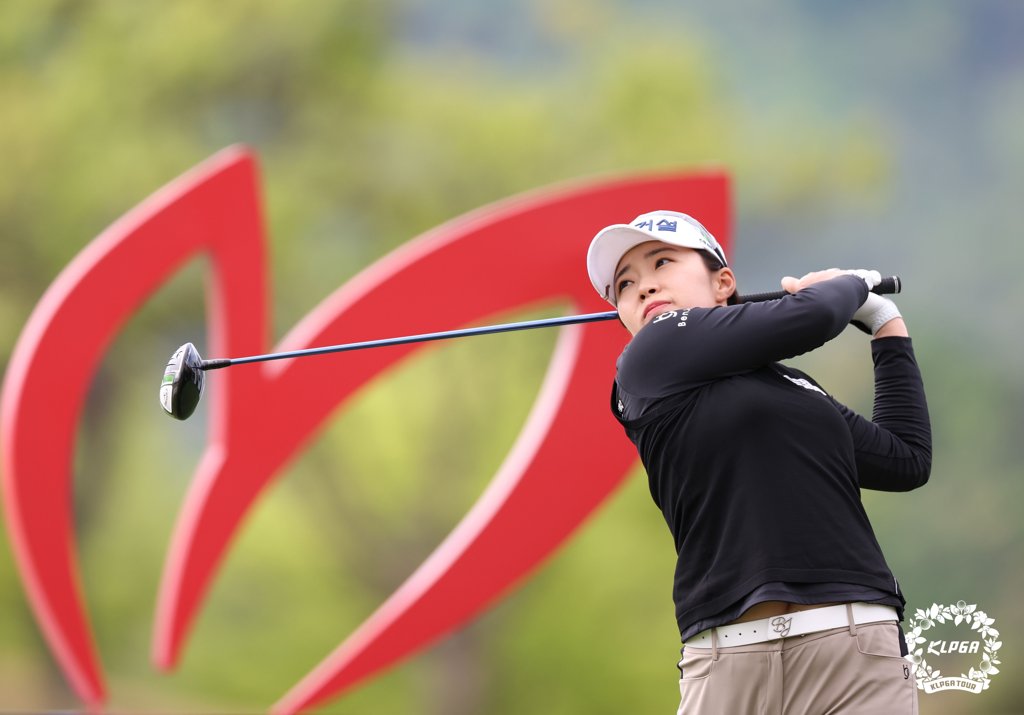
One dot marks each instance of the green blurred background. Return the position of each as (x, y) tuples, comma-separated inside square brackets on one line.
[(866, 134)]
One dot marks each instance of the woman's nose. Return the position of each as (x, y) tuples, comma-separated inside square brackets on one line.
[(646, 291)]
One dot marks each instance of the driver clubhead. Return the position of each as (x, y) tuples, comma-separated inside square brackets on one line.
[(182, 385)]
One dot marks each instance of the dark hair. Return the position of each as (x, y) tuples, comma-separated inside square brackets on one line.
[(713, 264)]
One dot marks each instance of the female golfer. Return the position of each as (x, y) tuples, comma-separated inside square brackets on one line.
[(783, 598)]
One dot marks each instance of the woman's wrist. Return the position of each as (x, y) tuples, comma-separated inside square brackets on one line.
[(895, 328)]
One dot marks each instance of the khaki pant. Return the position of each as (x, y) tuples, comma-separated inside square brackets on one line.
[(849, 670)]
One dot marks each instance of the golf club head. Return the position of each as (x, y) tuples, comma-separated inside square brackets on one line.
[(182, 385)]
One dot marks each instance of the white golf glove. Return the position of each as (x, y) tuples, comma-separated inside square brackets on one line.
[(872, 278), (874, 313)]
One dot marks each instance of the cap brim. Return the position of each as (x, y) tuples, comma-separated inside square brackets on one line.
[(612, 243), (605, 251)]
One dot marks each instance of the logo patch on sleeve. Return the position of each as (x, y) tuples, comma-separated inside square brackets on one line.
[(806, 384)]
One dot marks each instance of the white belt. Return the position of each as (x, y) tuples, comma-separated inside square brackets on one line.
[(797, 623)]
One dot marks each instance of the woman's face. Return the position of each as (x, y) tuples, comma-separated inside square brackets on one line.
[(656, 277)]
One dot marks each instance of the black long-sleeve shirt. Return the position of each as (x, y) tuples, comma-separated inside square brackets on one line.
[(758, 470)]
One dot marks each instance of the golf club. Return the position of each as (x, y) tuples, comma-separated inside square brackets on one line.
[(183, 380)]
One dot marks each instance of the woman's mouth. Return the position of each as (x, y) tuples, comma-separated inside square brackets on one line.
[(656, 304)]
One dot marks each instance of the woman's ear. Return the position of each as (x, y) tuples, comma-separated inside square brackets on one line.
[(724, 285)]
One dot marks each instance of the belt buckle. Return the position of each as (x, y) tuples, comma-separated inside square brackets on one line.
[(781, 626)]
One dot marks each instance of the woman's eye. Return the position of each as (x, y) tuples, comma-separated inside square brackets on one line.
[(623, 285), (661, 261)]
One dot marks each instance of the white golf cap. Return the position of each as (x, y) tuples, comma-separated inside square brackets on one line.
[(612, 242)]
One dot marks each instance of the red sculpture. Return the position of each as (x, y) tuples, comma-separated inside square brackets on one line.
[(551, 480)]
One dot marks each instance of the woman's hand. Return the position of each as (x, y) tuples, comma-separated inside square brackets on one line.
[(792, 285), (879, 317)]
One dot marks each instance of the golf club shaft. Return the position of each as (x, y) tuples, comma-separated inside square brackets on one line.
[(215, 364), (887, 286)]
